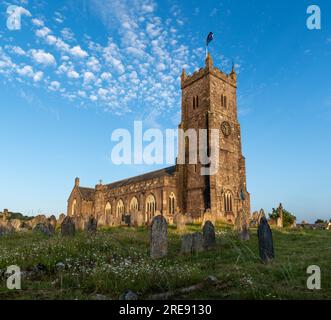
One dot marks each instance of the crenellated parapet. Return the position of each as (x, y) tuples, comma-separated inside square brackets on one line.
[(187, 80)]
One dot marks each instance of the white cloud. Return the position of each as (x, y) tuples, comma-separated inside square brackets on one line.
[(93, 97), (93, 64), (38, 76), (106, 75), (43, 32), (51, 40), (67, 34), (102, 93), (72, 74), (26, 71), (160, 67), (54, 86), (42, 57), (88, 77), (77, 51), (38, 22), (18, 50), (147, 8)]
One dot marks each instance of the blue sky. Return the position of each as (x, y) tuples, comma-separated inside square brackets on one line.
[(77, 70)]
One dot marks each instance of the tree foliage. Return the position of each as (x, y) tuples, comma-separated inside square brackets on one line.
[(288, 217)]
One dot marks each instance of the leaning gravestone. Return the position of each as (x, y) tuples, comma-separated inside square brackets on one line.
[(68, 227), (91, 225), (159, 237), (209, 237), (266, 247)]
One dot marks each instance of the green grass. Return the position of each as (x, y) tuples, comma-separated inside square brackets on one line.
[(116, 259)]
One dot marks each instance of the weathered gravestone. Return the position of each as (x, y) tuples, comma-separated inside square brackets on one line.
[(68, 227), (159, 237), (44, 228), (52, 221), (180, 221), (61, 218), (266, 247), (91, 225), (242, 225), (209, 237), (192, 243)]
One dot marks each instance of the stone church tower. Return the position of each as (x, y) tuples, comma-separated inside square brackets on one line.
[(209, 101)]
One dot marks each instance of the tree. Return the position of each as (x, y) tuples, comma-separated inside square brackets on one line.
[(320, 221), (288, 217)]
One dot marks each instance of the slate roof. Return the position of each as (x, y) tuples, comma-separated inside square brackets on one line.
[(87, 193), (170, 171)]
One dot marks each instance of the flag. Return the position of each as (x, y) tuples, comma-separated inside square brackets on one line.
[(210, 38)]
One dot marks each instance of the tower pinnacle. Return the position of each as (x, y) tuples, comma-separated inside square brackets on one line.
[(209, 62)]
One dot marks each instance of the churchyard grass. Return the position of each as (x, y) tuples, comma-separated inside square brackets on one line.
[(85, 266)]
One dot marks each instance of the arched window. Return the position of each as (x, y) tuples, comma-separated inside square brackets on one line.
[(150, 206), (134, 205), (107, 210), (228, 202), (172, 203), (74, 207), (120, 208)]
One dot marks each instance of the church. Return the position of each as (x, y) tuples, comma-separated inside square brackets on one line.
[(209, 101)]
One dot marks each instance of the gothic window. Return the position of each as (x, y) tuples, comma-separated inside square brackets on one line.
[(73, 208), (193, 103), (150, 206), (172, 203), (108, 210), (222, 101), (134, 205), (120, 208), (228, 202)]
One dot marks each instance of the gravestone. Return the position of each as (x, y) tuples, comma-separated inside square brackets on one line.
[(91, 225), (197, 245), (44, 228), (61, 218), (266, 247), (180, 221), (52, 220), (68, 227), (209, 237), (261, 214), (242, 225), (192, 243), (159, 237)]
